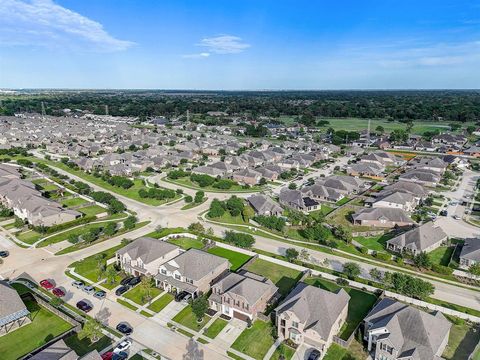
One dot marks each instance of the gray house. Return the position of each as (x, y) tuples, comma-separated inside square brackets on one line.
[(425, 238), (296, 200), (470, 253), (13, 312), (263, 205), (395, 331)]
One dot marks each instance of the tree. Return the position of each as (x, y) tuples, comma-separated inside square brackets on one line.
[(248, 213), (343, 233), (130, 222), (111, 274), (376, 275), (351, 269), (291, 254), (422, 260), (399, 136), (380, 129), (292, 186), (147, 284), (199, 196), (239, 239), (474, 269), (216, 209), (110, 229), (188, 199), (92, 330), (199, 307), (196, 227), (73, 238)]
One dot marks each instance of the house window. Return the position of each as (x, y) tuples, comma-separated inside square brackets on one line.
[(164, 272), (178, 277), (295, 324)]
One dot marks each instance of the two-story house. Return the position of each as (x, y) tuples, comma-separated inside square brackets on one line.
[(193, 271), (396, 331), (145, 255), (242, 295), (312, 316)]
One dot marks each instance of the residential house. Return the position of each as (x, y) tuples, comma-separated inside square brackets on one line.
[(382, 217), (193, 271), (396, 331), (145, 255), (344, 184), (422, 177), (415, 189), (366, 169), (263, 205), (322, 193), (13, 312), (247, 176), (242, 295), (470, 254), (295, 199), (396, 199), (312, 316), (425, 238)]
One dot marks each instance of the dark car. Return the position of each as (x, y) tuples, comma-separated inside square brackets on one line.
[(314, 355), (443, 213), (179, 297), (124, 328), (121, 290), (135, 281), (126, 280), (122, 355), (4, 253), (84, 306), (58, 292)]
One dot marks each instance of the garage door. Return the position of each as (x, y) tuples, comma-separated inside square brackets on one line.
[(240, 316)]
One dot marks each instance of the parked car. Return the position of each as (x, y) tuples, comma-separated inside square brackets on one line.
[(123, 346), (314, 355), (100, 294), (443, 213), (456, 217), (4, 253), (46, 284), (126, 280), (124, 328), (135, 281), (107, 355), (58, 292), (187, 298), (121, 290), (179, 297), (78, 284), (84, 306), (89, 289), (122, 355)]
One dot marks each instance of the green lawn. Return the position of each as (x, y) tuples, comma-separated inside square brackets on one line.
[(161, 302), (44, 326), (441, 255), (359, 305), (343, 217), (29, 236), (342, 201), (236, 259), (92, 210), (127, 304), (336, 352), (284, 350), (47, 187), (285, 278), (187, 243), (216, 327), (194, 204), (229, 219), (75, 201), (186, 182), (89, 267), (138, 294), (84, 346), (256, 341), (187, 318), (376, 243), (462, 341)]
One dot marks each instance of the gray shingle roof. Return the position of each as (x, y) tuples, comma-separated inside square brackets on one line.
[(318, 309), (390, 214), (11, 305), (147, 249), (420, 238), (195, 264), (411, 331)]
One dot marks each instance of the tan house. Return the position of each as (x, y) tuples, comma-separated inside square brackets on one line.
[(13, 312), (382, 217), (312, 316), (193, 271), (242, 295), (425, 238), (247, 176), (145, 255)]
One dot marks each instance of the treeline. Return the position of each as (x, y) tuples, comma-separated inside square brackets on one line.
[(448, 105)]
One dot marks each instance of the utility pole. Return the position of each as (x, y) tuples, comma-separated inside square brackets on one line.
[(188, 115), (106, 109), (368, 133)]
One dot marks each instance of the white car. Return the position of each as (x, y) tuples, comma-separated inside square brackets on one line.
[(78, 284), (89, 289), (123, 346), (456, 217)]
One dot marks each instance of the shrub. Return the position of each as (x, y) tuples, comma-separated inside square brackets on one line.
[(382, 256), (444, 270), (239, 239)]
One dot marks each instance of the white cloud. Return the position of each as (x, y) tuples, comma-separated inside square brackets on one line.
[(196, 56), (44, 23), (224, 44)]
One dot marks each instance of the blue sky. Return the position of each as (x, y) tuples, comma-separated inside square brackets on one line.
[(230, 44)]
